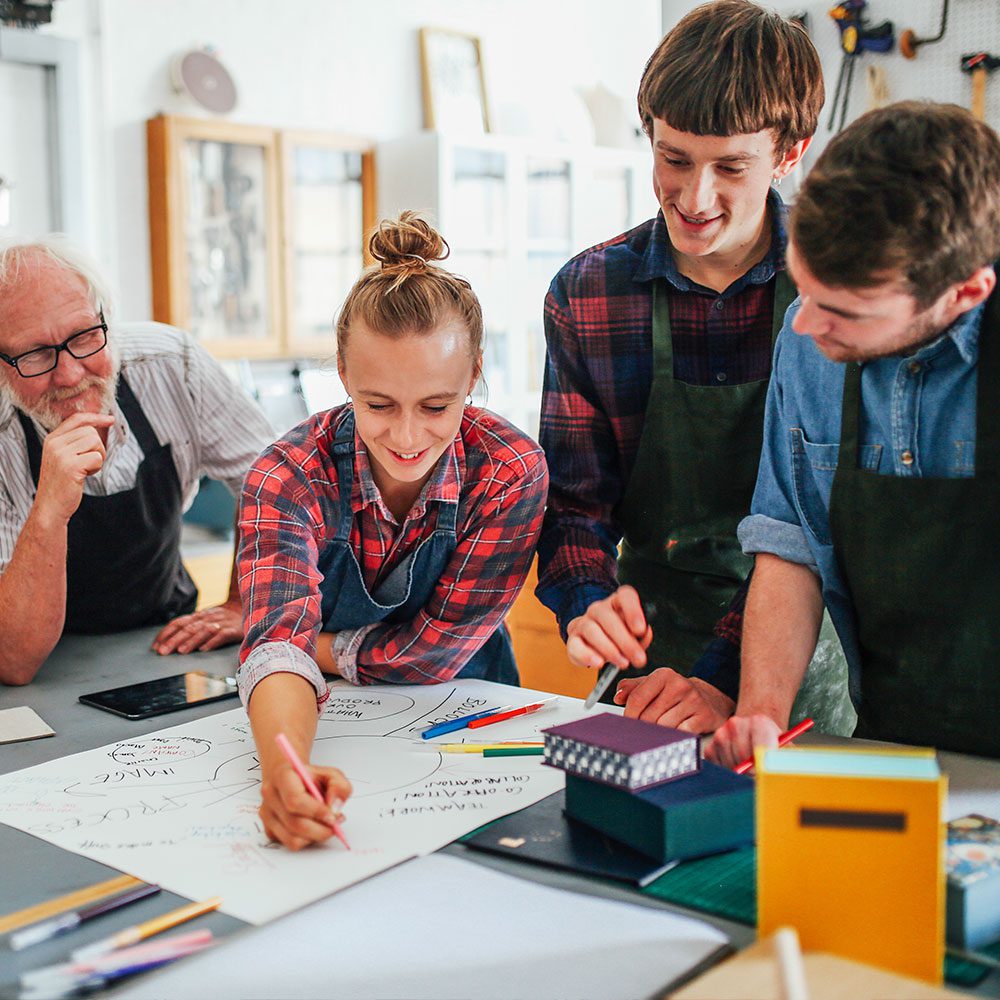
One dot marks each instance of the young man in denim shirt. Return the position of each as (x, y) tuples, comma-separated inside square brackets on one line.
[(879, 486)]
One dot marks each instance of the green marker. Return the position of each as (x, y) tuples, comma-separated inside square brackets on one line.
[(514, 752)]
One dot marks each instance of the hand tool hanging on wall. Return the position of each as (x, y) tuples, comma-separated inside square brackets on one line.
[(857, 35), (909, 42), (980, 65)]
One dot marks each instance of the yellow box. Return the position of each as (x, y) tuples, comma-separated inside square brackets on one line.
[(850, 852)]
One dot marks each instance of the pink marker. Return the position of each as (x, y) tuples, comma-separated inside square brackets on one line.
[(293, 758)]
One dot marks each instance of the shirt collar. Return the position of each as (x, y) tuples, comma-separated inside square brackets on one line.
[(443, 486), (964, 332), (658, 261)]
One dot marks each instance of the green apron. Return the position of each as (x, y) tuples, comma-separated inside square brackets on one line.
[(692, 483), (920, 560)]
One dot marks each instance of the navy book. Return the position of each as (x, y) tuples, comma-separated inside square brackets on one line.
[(700, 814)]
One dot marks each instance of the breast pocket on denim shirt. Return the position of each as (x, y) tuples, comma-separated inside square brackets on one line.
[(813, 467)]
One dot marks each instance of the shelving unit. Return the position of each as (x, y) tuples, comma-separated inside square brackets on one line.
[(513, 212)]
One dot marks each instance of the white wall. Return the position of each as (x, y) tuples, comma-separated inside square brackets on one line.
[(342, 65)]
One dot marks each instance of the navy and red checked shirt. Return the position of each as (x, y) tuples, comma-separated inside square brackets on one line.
[(598, 374), (290, 511)]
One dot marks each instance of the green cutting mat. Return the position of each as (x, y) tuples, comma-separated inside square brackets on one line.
[(726, 886)]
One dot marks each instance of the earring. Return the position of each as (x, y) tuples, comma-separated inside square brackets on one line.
[(778, 178), (468, 400)]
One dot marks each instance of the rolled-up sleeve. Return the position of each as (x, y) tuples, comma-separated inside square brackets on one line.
[(278, 575)]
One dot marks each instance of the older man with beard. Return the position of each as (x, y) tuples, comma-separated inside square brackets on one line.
[(104, 435)]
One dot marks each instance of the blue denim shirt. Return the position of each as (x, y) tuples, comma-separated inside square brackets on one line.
[(924, 404)]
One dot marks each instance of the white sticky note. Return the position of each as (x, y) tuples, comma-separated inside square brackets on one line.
[(22, 723)]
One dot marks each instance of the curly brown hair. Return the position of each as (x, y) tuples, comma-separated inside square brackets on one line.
[(732, 68), (911, 190), (405, 293)]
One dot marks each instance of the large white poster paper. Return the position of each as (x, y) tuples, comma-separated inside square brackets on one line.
[(179, 807)]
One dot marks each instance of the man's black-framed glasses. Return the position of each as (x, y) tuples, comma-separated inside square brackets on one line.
[(44, 359)]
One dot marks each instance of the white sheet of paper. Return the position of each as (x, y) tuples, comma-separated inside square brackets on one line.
[(179, 807), (444, 927), (22, 723)]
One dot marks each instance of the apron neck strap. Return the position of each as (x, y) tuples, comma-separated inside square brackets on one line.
[(343, 454), (784, 295), (849, 417), (988, 391), (135, 417)]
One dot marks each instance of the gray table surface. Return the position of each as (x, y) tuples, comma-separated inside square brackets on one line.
[(34, 870)]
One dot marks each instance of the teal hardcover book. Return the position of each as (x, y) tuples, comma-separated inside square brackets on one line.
[(699, 814), (973, 897)]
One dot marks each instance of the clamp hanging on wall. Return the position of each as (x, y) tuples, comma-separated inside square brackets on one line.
[(857, 36)]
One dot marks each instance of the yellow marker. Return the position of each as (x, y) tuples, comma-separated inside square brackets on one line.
[(133, 935), (71, 901)]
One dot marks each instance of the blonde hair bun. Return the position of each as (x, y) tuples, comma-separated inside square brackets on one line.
[(406, 244)]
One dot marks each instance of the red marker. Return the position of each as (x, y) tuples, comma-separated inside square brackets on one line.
[(500, 716), (784, 738), (293, 758)]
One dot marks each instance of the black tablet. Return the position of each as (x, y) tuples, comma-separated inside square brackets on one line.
[(165, 694)]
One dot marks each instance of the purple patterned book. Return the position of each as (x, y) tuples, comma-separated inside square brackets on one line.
[(622, 752)]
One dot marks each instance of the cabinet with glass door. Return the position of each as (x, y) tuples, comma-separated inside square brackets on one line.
[(256, 233)]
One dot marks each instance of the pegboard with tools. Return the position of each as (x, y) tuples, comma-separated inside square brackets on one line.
[(935, 72)]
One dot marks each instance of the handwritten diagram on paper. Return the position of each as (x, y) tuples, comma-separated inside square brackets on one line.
[(179, 806)]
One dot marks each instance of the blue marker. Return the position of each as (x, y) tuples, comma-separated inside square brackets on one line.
[(449, 727)]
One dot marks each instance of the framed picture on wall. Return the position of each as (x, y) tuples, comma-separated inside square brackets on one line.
[(454, 86)]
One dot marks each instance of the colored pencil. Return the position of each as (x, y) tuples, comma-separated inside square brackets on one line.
[(514, 751), (74, 978), (72, 900), (49, 974), (500, 716), (293, 758), (784, 738), (480, 747), (70, 921), (133, 935)]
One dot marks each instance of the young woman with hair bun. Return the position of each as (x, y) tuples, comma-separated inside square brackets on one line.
[(383, 541)]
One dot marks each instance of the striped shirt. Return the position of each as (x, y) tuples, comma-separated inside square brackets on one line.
[(213, 428), (290, 513)]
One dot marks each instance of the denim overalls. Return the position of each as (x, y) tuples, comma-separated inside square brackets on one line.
[(346, 602)]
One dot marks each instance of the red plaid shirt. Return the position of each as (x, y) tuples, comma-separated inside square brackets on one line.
[(598, 374), (289, 513)]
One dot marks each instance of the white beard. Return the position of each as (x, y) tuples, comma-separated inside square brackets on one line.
[(43, 409)]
